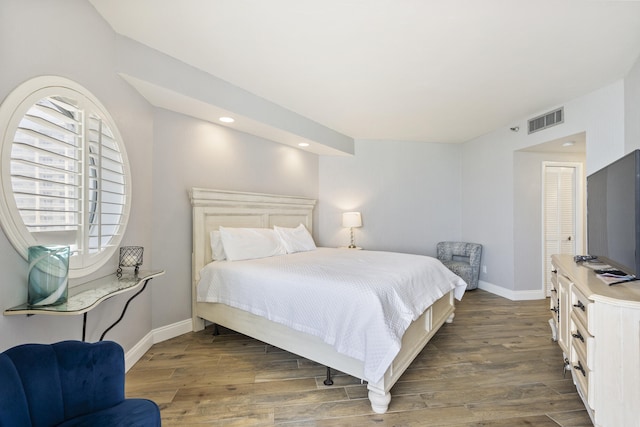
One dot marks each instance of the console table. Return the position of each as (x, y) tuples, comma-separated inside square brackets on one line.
[(87, 296), (598, 329)]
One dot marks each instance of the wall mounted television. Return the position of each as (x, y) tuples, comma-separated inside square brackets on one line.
[(613, 213)]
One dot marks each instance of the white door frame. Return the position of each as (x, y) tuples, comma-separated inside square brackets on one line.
[(579, 211)]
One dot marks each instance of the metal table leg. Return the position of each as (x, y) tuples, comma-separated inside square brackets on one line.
[(124, 310)]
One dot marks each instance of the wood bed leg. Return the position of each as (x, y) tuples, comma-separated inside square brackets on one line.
[(379, 400), (450, 318), (197, 324)]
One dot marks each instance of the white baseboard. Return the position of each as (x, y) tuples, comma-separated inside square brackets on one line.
[(510, 294), (171, 331), (155, 336)]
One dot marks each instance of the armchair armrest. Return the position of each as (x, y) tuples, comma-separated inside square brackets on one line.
[(475, 254)]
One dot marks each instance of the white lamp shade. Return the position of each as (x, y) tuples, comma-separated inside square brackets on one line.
[(351, 219)]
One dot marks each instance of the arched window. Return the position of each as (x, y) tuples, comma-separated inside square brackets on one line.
[(65, 175)]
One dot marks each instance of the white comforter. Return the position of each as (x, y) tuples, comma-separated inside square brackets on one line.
[(359, 302)]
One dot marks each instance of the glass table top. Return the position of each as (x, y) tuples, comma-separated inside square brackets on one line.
[(86, 296)]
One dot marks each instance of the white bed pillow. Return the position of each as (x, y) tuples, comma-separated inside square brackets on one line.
[(250, 243), (295, 239), (217, 249)]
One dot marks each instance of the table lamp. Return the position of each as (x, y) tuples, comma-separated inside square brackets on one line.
[(351, 220)]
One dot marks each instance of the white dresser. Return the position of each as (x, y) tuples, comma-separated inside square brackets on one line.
[(598, 329)]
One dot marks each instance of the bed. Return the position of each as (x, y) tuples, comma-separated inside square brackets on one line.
[(213, 209)]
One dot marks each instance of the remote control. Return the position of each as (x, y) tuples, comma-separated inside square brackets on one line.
[(582, 258)]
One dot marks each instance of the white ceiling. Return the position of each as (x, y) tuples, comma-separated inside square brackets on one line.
[(419, 70)]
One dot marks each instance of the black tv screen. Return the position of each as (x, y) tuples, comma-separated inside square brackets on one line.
[(613, 213)]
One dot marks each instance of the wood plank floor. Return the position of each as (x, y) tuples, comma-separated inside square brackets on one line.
[(495, 365)]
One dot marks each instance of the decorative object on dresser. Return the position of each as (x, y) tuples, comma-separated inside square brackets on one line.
[(463, 259), (352, 220), (598, 330)]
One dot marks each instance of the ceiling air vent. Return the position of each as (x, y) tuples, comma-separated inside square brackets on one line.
[(546, 120)]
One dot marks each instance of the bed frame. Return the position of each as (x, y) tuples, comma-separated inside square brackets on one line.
[(213, 208)]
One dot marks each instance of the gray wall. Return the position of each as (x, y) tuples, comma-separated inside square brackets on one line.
[(411, 194), (487, 205), (69, 39), (492, 215), (528, 195), (168, 153), (408, 194), (192, 153), (632, 108)]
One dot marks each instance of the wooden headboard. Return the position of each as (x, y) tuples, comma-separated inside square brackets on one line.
[(213, 208)]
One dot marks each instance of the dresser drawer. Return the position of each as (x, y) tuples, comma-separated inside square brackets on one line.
[(582, 374), (583, 340), (582, 307), (554, 277), (554, 303)]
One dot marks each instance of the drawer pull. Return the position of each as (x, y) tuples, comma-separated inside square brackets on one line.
[(578, 335), (580, 305), (580, 368), (554, 271), (554, 309)]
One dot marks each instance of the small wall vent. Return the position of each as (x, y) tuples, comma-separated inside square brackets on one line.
[(546, 120)]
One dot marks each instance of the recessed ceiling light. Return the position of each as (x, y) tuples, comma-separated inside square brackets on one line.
[(303, 144), (226, 119), (568, 144)]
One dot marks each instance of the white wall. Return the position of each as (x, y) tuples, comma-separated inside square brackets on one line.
[(408, 194)]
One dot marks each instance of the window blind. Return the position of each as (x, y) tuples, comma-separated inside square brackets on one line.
[(67, 171), (45, 167)]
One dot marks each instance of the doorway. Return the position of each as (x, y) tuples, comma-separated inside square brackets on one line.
[(562, 213)]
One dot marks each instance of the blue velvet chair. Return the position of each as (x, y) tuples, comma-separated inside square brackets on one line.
[(70, 383), (463, 259)]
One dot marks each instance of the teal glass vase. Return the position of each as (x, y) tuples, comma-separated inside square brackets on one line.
[(48, 275)]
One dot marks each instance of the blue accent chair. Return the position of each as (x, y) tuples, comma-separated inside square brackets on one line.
[(70, 383)]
